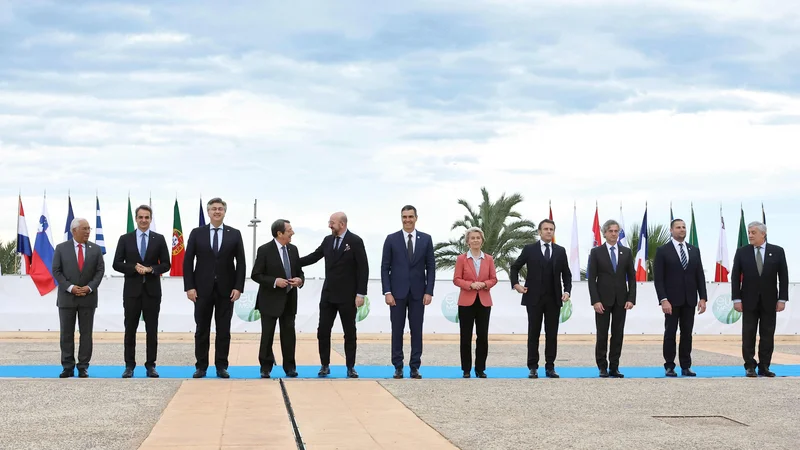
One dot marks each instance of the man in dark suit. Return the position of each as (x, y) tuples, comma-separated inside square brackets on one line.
[(346, 275), (142, 255), (679, 279), (214, 284), (277, 271), (78, 268), (547, 267), (760, 290), (612, 289), (408, 272)]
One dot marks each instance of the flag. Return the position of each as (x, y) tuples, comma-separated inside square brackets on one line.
[(131, 226), (693, 231), (152, 217), (622, 239), (596, 235), (641, 252), (23, 241), (178, 251), (551, 218), (98, 230), (671, 216), (202, 216), (742, 240), (722, 268), (42, 258), (574, 258), (763, 219), (70, 217)]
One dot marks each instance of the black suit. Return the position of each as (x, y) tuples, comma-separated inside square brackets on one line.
[(543, 298), (759, 295), (346, 275), (213, 277), (275, 303), (681, 288), (613, 289), (141, 294)]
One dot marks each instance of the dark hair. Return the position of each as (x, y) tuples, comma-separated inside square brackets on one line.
[(409, 208), (279, 226), (672, 224), (547, 221), (146, 208)]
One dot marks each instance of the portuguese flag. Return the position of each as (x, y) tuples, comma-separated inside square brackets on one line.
[(178, 251)]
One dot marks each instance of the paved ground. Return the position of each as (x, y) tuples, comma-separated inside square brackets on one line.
[(475, 414)]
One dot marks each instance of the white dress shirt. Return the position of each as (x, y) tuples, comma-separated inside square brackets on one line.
[(75, 245), (678, 249), (219, 235)]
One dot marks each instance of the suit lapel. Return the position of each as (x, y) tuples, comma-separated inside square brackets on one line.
[(150, 244), (471, 264), (337, 253), (417, 249)]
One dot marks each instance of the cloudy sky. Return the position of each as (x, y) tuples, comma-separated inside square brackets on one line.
[(317, 106)]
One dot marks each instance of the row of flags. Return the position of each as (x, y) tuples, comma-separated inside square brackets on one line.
[(721, 271), (37, 260)]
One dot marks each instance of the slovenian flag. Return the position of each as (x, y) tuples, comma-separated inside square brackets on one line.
[(99, 239), (42, 260), (23, 241), (641, 252)]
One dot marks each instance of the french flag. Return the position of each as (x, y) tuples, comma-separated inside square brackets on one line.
[(23, 241), (641, 252), (42, 261)]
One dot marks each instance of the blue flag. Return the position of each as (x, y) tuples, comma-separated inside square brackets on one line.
[(98, 231), (202, 216), (70, 217)]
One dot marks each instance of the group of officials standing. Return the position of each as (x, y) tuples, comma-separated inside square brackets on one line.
[(215, 271)]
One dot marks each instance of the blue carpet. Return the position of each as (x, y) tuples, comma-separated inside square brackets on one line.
[(386, 372)]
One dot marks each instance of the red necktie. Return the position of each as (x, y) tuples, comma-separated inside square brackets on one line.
[(80, 257)]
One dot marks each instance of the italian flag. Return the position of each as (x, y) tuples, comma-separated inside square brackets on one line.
[(742, 241), (722, 268), (131, 226), (178, 251)]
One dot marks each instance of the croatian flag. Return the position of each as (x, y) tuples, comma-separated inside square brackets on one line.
[(42, 260), (23, 241), (98, 230), (641, 252), (70, 217)]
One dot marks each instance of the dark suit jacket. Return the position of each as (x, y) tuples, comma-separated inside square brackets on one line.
[(607, 286), (346, 269), (210, 267), (533, 259), (678, 286), (402, 277), (748, 286), (272, 300), (156, 256), (66, 273)]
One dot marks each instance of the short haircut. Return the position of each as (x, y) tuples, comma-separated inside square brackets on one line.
[(409, 208), (608, 224), (473, 230), (279, 226), (76, 222), (146, 208), (761, 227), (547, 221), (216, 200), (672, 224)]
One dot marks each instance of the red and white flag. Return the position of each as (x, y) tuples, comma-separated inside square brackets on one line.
[(722, 268), (641, 253)]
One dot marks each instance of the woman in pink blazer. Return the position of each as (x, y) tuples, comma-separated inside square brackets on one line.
[(475, 275)]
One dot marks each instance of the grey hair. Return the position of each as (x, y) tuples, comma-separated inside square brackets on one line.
[(76, 222), (608, 224), (474, 230), (761, 227), (216, 200)]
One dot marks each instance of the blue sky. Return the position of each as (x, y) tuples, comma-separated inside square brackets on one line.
[(314, 107)]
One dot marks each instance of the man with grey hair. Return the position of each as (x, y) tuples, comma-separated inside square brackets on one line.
[(612, 289), (78, 267), (760, 290)]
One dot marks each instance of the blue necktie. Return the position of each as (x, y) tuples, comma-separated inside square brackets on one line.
[(547, 252), (216, 242), (684, 261), (143, 246), (286, 267), (614, 259)]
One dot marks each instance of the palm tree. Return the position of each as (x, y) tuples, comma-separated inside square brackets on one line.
[(657, 235), (8, 255), (504, 237)]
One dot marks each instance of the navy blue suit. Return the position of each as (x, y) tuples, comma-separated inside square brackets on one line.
[(408, 281)]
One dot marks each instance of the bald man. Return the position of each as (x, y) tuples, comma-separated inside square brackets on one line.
[(346, 275)]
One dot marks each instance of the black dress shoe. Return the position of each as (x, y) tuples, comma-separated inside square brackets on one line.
[(750, 373), (415, 374), (223, 373), (83, 373), (128, 373), (67, 373), (265, 374), (670, 372), (324, 371), (466, 374), (291, 373), (766, 373), (351, 373), (533, 374), (199, 373), (688, 373), (615, 373), (480, 374), (603, 373), (398, 373), (151, 372), (551, 373)]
